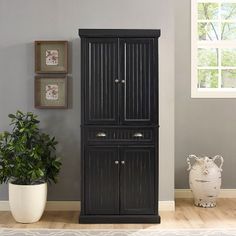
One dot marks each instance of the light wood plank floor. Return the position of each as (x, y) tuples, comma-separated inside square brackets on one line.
[(185, 216)]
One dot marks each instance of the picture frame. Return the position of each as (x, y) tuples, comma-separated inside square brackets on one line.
[(51, 57), (50, 92)]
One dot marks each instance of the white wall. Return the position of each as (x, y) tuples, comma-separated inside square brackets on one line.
[(23, 21)]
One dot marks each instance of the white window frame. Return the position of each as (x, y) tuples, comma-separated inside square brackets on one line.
[(206, 92)]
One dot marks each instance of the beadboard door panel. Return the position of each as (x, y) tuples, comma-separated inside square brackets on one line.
[(101, 81), (137, 183), (102, 180), (137, 76)]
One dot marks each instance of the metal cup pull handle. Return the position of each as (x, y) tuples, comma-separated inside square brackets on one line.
[(101, 135), (138, 135)]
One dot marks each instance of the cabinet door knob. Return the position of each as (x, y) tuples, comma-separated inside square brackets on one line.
[(117, 81), (138, 135), (122, 162), (116, 162), (123, 81), (101, 134)]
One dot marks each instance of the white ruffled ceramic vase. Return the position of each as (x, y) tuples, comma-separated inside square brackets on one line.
[(205, 179)]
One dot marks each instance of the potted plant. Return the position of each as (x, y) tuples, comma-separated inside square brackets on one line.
[(28, 162)]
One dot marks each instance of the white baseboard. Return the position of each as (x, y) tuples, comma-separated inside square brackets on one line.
[(75, 206), (166, 205), (163, 205), (63, 206), (4, 206), (187, 193), (50, 206), (183, 193)]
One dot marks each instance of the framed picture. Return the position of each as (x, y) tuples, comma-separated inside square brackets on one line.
[(50, 92), (51, 56)]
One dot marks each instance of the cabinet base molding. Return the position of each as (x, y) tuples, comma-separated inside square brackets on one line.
[(103, 219)]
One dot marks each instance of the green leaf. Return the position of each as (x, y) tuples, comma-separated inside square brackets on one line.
[(11, 116), (19, 112), (40, 172)]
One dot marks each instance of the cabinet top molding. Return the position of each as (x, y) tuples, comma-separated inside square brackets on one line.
[(152, 33)]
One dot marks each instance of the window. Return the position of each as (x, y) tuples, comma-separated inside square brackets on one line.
[(213, 48)]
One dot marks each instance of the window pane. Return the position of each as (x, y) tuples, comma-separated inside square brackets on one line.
[(207, 78), (208, 11), (207, 57), (228, 79), (229, 57), (228, 11), (208, 31), (228, 31)]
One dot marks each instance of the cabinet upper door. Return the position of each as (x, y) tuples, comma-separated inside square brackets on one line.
[(100, 80), (137, 180), (138, 74), (101, 180)]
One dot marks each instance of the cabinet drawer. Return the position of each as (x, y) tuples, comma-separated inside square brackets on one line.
[(120, 135)]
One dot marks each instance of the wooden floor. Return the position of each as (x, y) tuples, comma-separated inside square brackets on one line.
[(185, 216)]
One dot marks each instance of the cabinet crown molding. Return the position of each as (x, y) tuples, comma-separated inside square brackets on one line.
[(142, 33)]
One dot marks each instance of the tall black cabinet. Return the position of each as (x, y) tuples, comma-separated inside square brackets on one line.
[(119, 87)]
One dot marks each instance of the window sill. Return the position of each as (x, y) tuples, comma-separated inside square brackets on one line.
[(213, 93)]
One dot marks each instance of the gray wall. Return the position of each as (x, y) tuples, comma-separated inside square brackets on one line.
[(202, 126), (22, 22)]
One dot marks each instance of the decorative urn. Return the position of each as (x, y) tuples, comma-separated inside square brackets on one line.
[(205, 179)]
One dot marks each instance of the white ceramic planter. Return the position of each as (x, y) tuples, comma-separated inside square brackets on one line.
[(27, 202)]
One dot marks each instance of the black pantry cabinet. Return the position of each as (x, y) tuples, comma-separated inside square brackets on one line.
[(119, 87)]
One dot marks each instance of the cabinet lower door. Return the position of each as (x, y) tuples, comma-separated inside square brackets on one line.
[(137, 180), (101, 180)]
